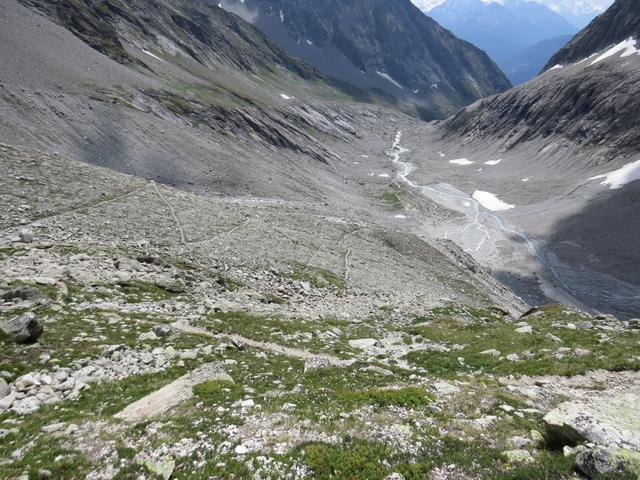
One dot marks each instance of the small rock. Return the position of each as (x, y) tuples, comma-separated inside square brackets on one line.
[(150, 335), (4, 388), (54, 427), (519, 442), (43, 474), (525, 329), (26, 405), (537, 438), (444, 388), (363, 343), (25, 328), (241, 450), (493, 352), (162, 330), (581, 352), (25, 382), (553, 338), (513, 357), (518, 456), (25, 235), (377, 369), (163, 469), (395, 476)]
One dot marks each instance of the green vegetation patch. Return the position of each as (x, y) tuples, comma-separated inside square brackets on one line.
[(539, 352), (410, 397), (317, 277), (392, 196)]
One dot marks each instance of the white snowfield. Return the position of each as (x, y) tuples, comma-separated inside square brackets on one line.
[(389, 79), (556, 67), (493, 162), (620, 177), (490, 201), (625, 48), (285, 97), (462, 161)]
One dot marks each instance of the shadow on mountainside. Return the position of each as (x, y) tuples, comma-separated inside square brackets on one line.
[(604, 238)]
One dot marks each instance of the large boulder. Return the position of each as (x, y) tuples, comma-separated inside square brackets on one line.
[(601, 461), (609, 421), (25, 328), (605, 418)]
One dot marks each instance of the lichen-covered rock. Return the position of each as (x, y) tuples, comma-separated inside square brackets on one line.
[(25, 328), (518, 456), (604, 461), (606, 418)]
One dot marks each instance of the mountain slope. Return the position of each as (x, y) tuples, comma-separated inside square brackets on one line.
[(504, 31), (591, 103), (386, 45), (620, 22)]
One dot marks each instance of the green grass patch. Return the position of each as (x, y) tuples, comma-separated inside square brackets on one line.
[(316, 277), (539, 355), (392, 197), (410, 397)]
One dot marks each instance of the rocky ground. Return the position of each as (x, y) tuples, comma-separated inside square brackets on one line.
[(154, 333)]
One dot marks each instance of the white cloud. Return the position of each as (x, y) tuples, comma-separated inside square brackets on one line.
[(569, 6)]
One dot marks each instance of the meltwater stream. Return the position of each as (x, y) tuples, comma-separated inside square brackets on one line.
[(440, 193)]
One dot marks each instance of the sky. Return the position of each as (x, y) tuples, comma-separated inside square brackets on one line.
[(569, 6)]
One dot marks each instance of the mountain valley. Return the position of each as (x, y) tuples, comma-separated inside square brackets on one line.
[(234, 244)]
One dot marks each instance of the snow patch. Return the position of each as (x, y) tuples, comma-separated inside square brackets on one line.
[(309, 42), (285, 97), (627, 47), (621, 176), (383, 175), (281, 16), (493, 162), (389, 79), (490, 201), (556, 67), (525, 179), (442, 155), (462, 161), (152, 55), (400, 216)]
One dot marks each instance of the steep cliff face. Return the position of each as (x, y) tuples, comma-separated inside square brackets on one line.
[(620, 22), (386, 45)]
